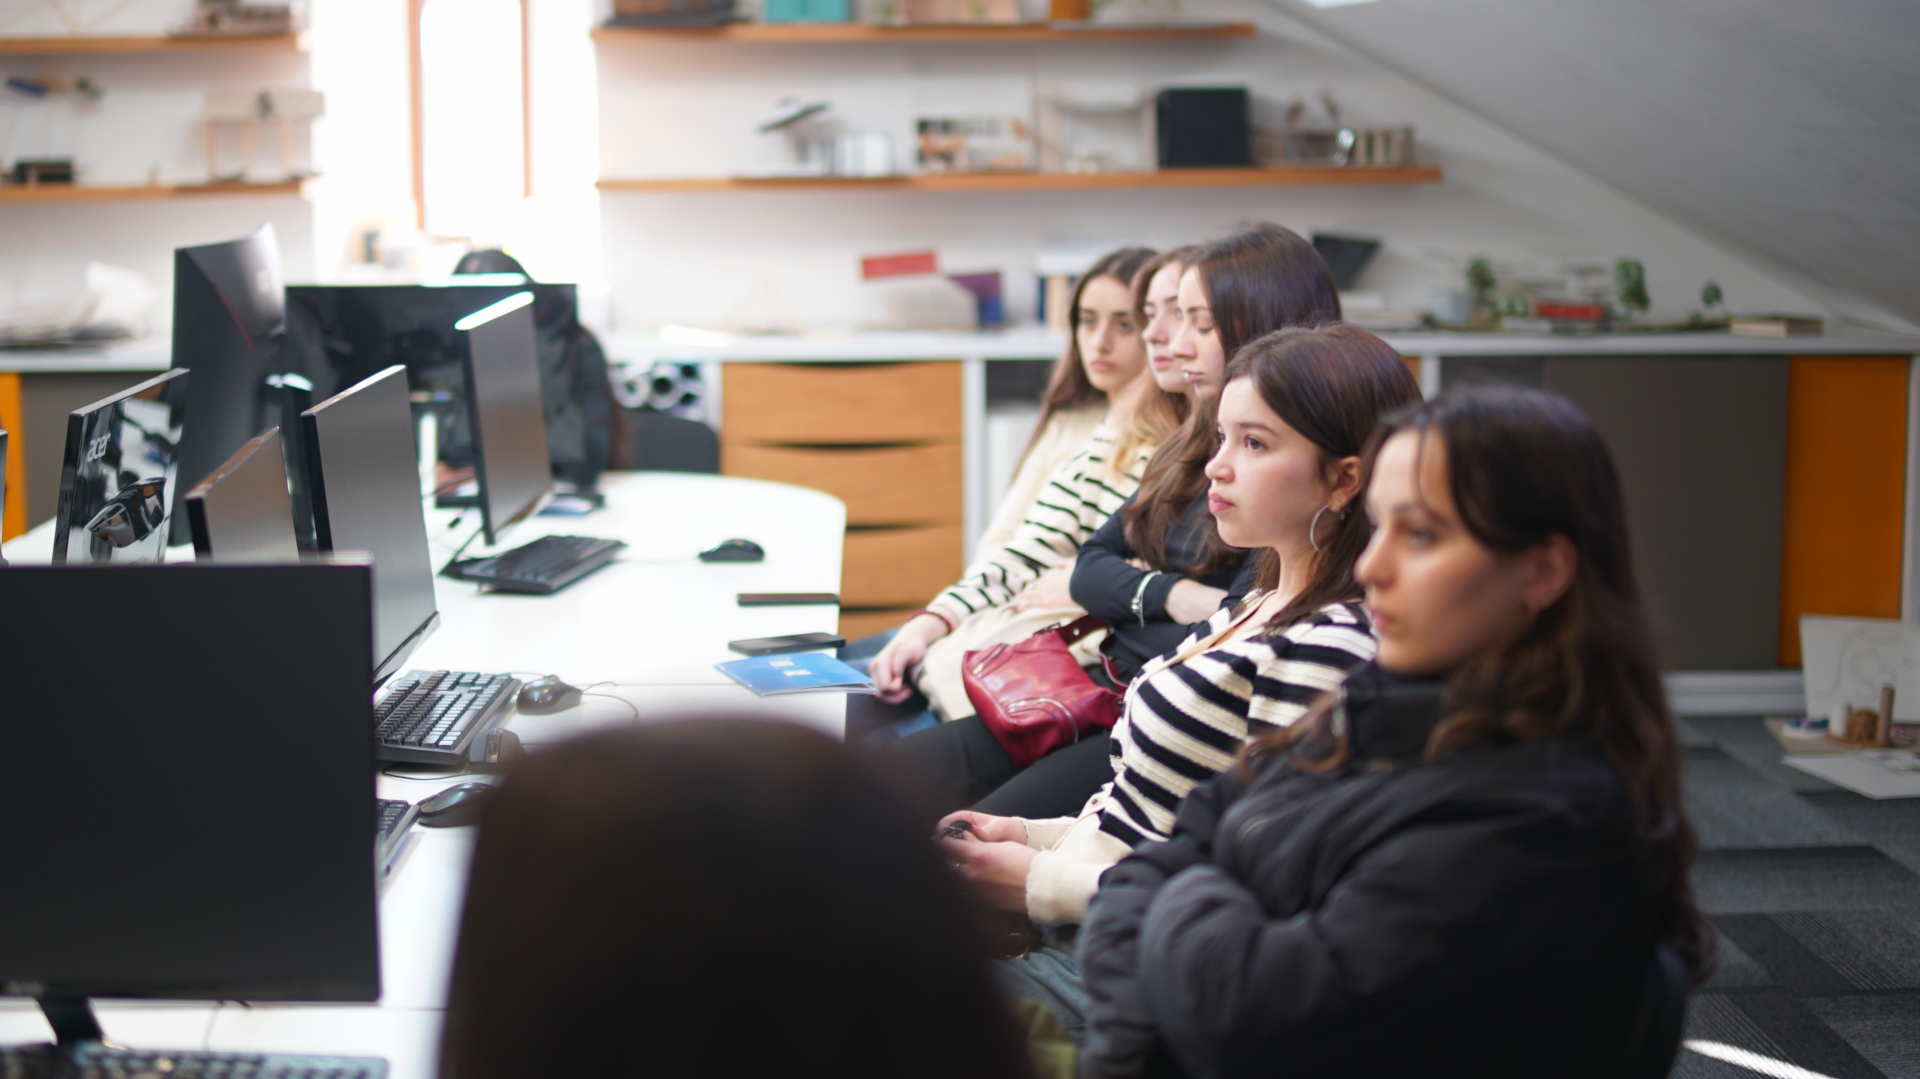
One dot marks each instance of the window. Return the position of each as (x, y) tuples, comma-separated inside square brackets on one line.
[(471, 164)]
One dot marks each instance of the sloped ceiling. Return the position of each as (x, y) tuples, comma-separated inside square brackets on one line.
[(1788, 132)]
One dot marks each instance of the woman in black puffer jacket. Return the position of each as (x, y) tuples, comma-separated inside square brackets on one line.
[(1462, 859)]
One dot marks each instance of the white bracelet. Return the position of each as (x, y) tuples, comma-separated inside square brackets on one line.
[(1140, 595)]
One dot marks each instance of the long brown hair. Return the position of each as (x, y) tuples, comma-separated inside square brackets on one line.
[(1333, 384), (1524, 466), (1067, 387), (1260, 279)]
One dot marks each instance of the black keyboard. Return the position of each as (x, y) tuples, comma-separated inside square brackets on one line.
[(395, 818), (546, 565), (99, 1062), (434, 717)]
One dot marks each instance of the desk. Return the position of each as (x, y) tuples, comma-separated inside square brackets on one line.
[(653, 623)]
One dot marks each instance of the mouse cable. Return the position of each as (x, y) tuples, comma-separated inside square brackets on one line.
[(634, 708), (206, 1037)]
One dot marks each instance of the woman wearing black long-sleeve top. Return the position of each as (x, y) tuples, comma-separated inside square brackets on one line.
[(1105, 582), (1462, 863)]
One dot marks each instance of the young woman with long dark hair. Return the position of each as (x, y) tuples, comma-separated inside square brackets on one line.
[(1296, 411), (1463, 860)]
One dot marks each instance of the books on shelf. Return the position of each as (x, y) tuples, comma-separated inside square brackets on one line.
[(798, 672), (1776, 326)]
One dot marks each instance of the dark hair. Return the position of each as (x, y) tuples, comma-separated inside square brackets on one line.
[(1524, 466), (1260, 279), (717, 898), (489, 260), (1068, 387), (1333, 384)]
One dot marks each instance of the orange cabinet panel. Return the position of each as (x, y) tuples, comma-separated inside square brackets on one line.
[(1846, 482), (888, 485), (899, 567)]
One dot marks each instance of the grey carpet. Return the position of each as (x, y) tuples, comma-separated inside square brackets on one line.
[(1816, 894)]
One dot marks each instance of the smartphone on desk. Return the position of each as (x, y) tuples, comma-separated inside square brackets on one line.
[(788, 599), (792, 642)]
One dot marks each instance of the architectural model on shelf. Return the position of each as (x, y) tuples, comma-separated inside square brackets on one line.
[(841, 33), (1329, 176)]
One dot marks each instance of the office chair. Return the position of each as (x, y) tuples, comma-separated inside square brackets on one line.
[(1636, 1035), (659, 442)]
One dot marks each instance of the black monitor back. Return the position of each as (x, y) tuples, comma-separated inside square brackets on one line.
[(510, 457), (119, 473), (242, 513), (183, 822), (3, 485), (364, 473), (229, 310)]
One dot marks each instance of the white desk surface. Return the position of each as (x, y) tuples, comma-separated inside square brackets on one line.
[(654, 622)]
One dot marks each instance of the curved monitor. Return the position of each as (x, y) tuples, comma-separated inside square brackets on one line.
[(229, 310), (510, 458), (364, 474)]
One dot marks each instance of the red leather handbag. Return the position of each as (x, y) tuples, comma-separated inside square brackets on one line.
[(1034, 697)]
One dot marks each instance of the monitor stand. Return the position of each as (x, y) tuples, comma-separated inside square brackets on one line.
[(75, 1030)]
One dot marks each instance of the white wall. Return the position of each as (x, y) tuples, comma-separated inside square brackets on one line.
[(688, 109), (146, 126)]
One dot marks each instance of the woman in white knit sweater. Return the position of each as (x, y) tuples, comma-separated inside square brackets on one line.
[(1029, 568), (1297, 409)]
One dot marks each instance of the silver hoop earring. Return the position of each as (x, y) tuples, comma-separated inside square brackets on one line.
[(1313, 526)]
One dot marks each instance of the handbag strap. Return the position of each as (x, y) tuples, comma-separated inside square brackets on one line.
[(1079, 628)]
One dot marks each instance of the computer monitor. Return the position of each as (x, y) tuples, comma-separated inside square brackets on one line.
[(117, 480), (510, 458), (203, 834), (364, 474), (229, 309), (242, 513), (338, 335)]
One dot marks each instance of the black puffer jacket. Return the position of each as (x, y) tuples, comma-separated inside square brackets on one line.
[(1391, 916)]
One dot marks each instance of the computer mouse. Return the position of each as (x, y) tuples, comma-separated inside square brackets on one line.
[(545, 696), (455, 807), (734, 550)]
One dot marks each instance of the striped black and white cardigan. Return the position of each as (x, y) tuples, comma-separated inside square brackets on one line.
[(1185, 722), (1073, 503)]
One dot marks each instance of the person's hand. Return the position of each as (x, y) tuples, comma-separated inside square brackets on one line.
[(996, 872), (1190, 601), (989, 829), (889, 668), (1046, 592)]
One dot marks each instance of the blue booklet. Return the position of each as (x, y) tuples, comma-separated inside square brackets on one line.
[(797, 672)]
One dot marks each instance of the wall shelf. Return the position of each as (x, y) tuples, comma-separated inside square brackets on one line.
[(85, 45), (865, 33), (107, 193), (1301, 176)]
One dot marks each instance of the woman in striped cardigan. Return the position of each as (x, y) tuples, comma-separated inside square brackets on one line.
[(1296, 410)]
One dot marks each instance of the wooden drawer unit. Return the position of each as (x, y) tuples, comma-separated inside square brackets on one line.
[(841, 403), (886, 485), (899, 567), (885, 438)]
